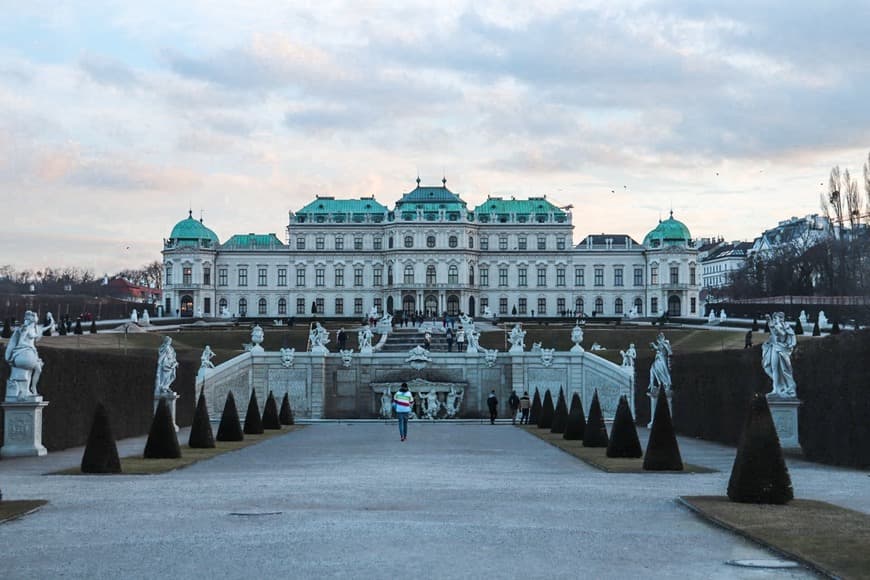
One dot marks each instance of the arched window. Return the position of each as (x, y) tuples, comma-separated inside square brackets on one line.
[(471, 242), (453, 275), (430, 241), (578, 306), (261, 307), (471, 275), (222, 305), (638, 305), (390, 242), (409, 241), (282, 306), (617, 306), (430, 274), (243, 307), (409, 274), (452, 241), (599, 306)]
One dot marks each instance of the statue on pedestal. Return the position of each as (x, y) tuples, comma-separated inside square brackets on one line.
[(146, 318), (776, 355), (167, 366), (473, 340), (205, 359), (364, 339), (134, 317), (629, 356), (516, 338), (711, 318), (318, 337), (23, 360), (577, 338), (660, 370), (387, 403)]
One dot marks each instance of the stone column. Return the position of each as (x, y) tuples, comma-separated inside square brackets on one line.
[(22, 429), (784, 411), (170, 400)]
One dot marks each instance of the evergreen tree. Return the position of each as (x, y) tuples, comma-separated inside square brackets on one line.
[(253, 421), (759, 474), (101, 453), (201, 435), (93, 326), (7, 329), (270, 413), (662, 450), (816, 330), (595, 434), (545, 420), (560, 417), (61, 328), (162, 440), (798, 327), (835, 327), (576, 420), (78, 329), (623, 433), (754, 324), (767, 327), (230, 429), (47, 331), (285, 415), (535, 411)]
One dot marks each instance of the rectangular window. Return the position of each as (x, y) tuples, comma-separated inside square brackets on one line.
[(319, 243), (484, 303), (542, 306), (300, 243), (339, 305), (675, 274), (358, 277), (617, 277), (357, 243), (653, 305), (339, 276), (243, 276), (560, 276), (300, 276), (318, 303), (282, 276), (692, 277), (261, 276), (560, 243), (542, 277), (484, 242), (339, 242), (579, 277), (654, 275), (502, 276), (357, 306), (523, 274), (206, 305), (693, 304), (502, 242), (222, 277), (502, 306), (282, 307), (522, 306), (187, 275), (320, 277), (484, 277), (522, 243), (542, 242), (377, 304), (638, 276), (261, 307), (168, 276), (560, 306), (300, 306), (206, 276), (599, 276), (378, 243), (378, 276)]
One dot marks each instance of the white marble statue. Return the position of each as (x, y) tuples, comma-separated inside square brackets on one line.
[(385, 324), (318, 338), (823, 320), (489, 356), (346, 357), (373, 313), (711, 318), (23, 360), (536, 346), (629, 356), (288, 355), (516, 338), (547, 356), (776, 355), (387, 403), (632, 312), (146, 318), (134, 317), (205, 359), (473, 340), (722, 316), (257, 337), (167, 366), (577, 338), (225, 312), (364, 339), (660, 370), (466, 321), (803, 318), (454, 401), (433, 405), (487, 313), (596, 346)]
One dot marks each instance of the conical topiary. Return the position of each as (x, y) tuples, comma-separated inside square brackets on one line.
[(93, 326), (535, 411), (253, 421), (576, 420), (230, 428), (101, 453), (47, 331), (162, 440), (754, 324), (270, 413), (816, 330), (835, 327), (623, 433), (78, 328), (545, 420), (798, 327), (595, 434), (201, 435), (61, 328), (7, 329), (285, 415), (560, 416), (662, 450), (759, 474), (767, 327)]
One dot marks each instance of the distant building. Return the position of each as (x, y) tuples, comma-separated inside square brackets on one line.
[(799, 233), (721, 261), (124, 290), (430, 254)]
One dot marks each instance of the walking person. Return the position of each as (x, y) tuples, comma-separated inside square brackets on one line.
[(449, 340), (403, 401), (492, 403), (525, 407), (747, 343), (514, 404)]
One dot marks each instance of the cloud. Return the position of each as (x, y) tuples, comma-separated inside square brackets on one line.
[(108, 71)]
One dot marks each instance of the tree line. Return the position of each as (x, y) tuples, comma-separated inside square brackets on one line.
[(64, 280)]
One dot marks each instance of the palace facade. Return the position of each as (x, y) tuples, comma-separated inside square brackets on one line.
[(430, 253)]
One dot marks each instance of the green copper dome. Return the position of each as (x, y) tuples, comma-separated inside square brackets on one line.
[(190, 232), (669, 232)]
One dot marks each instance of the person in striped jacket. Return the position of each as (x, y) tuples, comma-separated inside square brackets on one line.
[(403, 401)]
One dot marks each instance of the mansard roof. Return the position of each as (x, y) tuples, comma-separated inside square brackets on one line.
[(328, 204), (608, 242), (253, 242), (425, 195)]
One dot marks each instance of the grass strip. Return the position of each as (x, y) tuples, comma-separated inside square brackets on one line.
[(597, 456), (18, 508), (137, 465), (829, 539)]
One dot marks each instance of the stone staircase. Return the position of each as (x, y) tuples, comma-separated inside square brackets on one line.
[(404, 339)]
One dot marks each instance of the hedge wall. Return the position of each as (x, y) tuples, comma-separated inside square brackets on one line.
[(74, 380)]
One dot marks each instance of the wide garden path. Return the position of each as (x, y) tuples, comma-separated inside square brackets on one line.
[(349, 500)]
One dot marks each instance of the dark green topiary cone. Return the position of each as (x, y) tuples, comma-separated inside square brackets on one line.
[(816, 330), (230, 428), (162, 440), (595, 434), (576, 420), (835, 328), (253, 421), (535, 411), (560, 416), (270, 413), (101, 453), (285, 416), (662, 450), (798, 327), (201, 436), (545, 420), (623, 433), (759, 474)]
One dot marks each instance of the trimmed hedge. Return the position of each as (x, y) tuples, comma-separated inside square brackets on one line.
[(101, 453), (545, 419)]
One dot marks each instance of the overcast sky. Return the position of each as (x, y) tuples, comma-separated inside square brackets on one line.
[(116, 117)]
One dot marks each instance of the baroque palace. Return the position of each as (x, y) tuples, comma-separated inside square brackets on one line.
[(433, 255)]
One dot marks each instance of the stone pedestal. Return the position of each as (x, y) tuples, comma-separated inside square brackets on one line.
[(22, 429), (784, 411), (170, 400), (577, 349), (366, 350), (653, 400)]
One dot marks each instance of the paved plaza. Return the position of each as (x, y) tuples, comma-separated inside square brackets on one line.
[(349, 500)]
